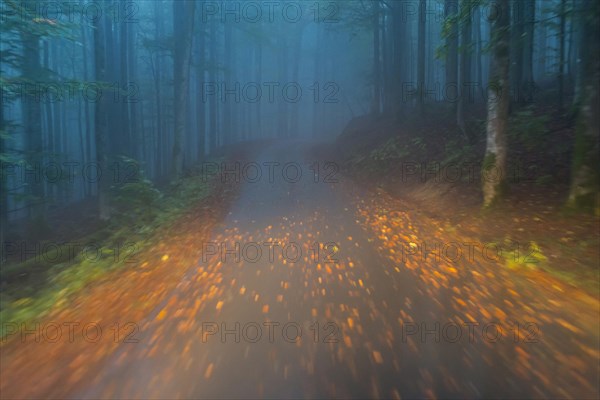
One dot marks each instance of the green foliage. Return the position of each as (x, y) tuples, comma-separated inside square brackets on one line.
[(528, 129), (391, 150), (419, 144), (137, 201), (141, 211), (530, 257), (135, 198), (456, 151)]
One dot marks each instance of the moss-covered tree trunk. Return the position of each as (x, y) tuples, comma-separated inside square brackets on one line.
[(494, 165), (585, 184)]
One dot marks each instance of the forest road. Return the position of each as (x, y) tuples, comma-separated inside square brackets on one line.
[(310, 288)]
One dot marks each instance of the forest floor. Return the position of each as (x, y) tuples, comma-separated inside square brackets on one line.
[(362, 312), (531, 216)]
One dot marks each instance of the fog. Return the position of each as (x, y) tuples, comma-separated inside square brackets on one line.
[(140, 136)]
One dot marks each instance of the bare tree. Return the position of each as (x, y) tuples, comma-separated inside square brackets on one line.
[(494, 164)]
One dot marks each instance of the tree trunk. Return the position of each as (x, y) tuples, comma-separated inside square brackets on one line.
[(375, 109), (527, 83), (465, 66), (228, 84), (32, 122), (585, 185), (183, 20), (212, 111), (158, 33), (3, 188), (86, 106), (123, 83), (421, 58), (516, 52), (200, 111), (561, 56), (451, 86), (399, 61), (494, 164), (101, 118)]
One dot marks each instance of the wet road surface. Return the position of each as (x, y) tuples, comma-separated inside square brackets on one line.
[(312, 287)]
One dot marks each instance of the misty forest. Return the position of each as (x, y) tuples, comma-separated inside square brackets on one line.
[(299, 199)]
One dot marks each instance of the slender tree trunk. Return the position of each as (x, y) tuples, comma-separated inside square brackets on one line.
[(282, 106), (375, 105), (183, 20), (123, 83), (527, 83), (494, 163), (258, 54), (517, 51), (132, 104), (86, 106), (212, 112), (451, 91), (295, 72), (465, 67), (561, 56), (101, 117), (542, 45), (229, 98), (585, 184), (479, 73), (32, 122), (579, 8), (317, 67), (201, 109), (399, 62), (80, 131), (3, 180), (421, 58)]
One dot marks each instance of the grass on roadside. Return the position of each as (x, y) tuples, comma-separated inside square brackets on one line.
[(50, 281)]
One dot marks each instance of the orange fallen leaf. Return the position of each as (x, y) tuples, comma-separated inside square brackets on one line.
[(161, 315), (208, 371), (377, 357)]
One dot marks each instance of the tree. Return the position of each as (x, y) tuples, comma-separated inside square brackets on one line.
[(494, 164), (585, 183), (465, 64), (183, 27), (375, 105), (561, 50), (527, 82), (32, 117), (451, 35), (201, 109), (421, 58), (101, 116)]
